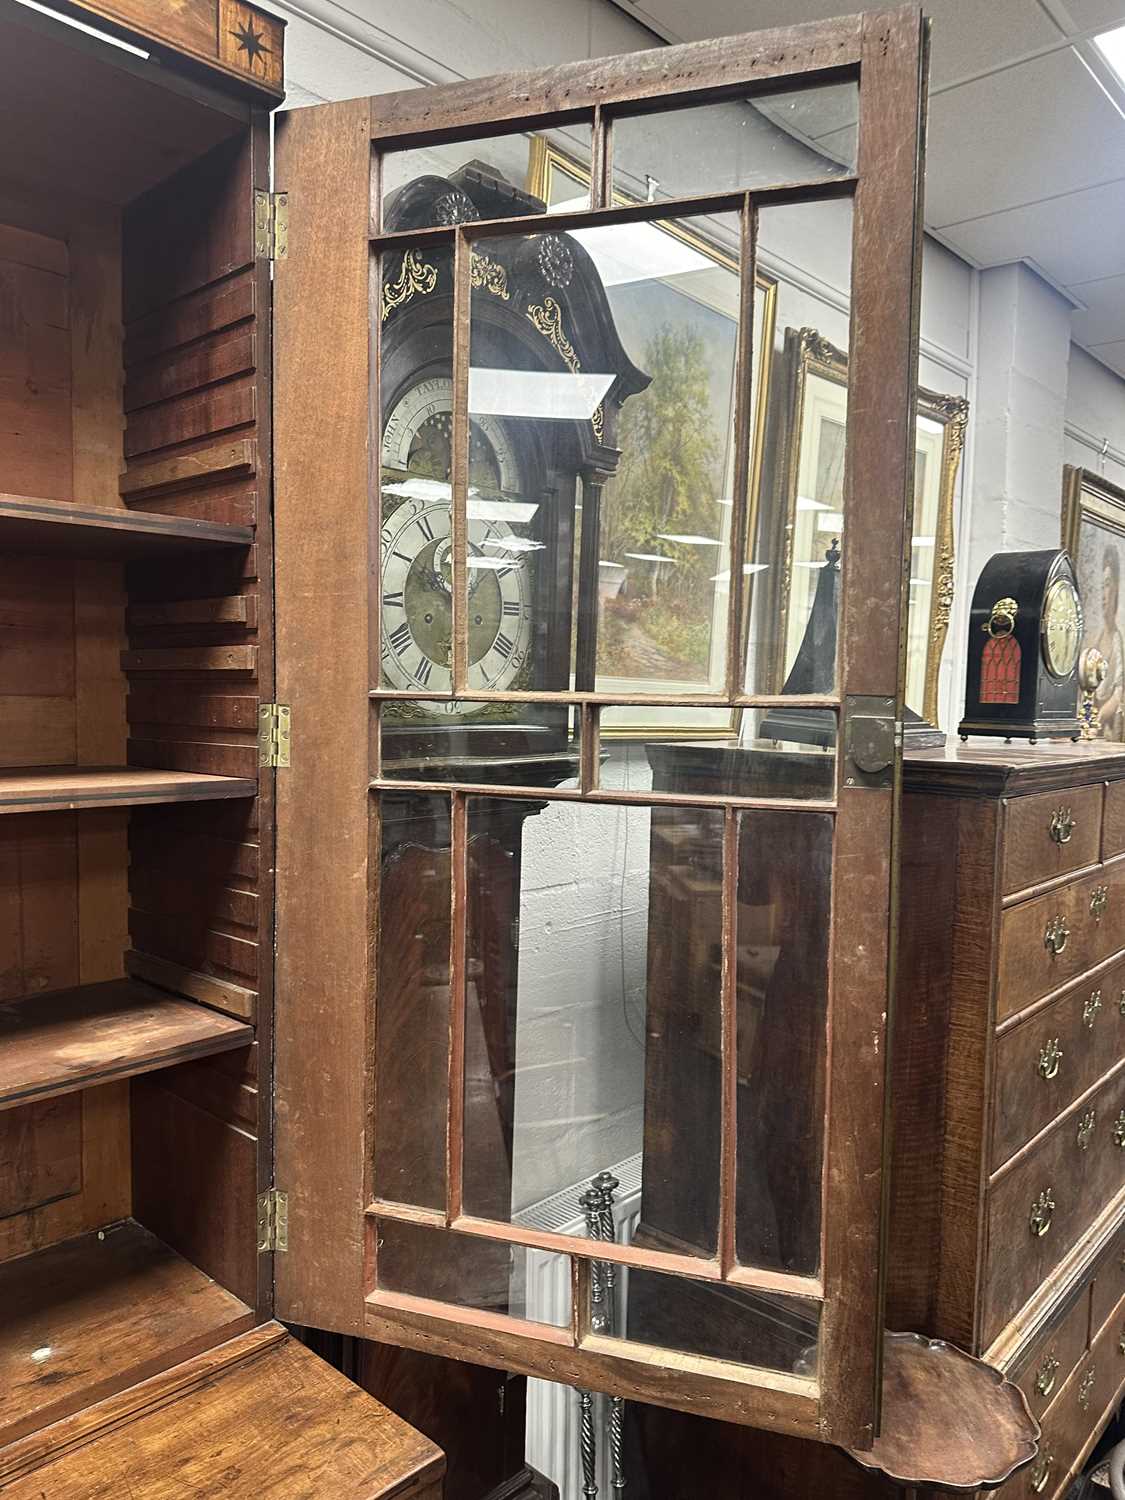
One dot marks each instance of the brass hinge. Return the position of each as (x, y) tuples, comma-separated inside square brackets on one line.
[(271, 225), (274, 734), (273, 1220)]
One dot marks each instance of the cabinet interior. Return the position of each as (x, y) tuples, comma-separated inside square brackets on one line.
[(132, 1007)]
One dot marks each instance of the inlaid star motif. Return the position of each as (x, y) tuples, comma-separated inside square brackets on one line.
[(250, 41)]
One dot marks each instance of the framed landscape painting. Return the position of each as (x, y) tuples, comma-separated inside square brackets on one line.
[(1093, 532)]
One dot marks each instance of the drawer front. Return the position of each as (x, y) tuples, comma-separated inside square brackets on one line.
[(1046, 1062), (1109, 1279), (1113, 825), (1053, 939), (1051, 834), (1048, 1365), (1041, 1207)]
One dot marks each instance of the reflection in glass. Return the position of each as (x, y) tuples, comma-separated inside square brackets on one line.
[(799, 530), (783, 916), (745, 143), (683, 754), (529, 744), (769, 1330), (465, 1271), (496, 177), (412, 1020), (592, 1014)]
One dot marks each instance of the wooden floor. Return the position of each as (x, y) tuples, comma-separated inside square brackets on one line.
[(259, 1418), (104, 1310), (67, 788), (71, 1039)]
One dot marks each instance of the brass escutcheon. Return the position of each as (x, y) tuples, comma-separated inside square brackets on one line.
[(1090, 1010), (1041, 1471), (1045, 1379), (1042, 1211), (1086, 1389), (1050, 1055), (1057, 934), (1099, 898), (1086, 1129), (1119, 1142), (1062, 825)]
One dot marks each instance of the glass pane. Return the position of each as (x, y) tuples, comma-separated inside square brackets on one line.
[(706, 752), (781, 976), (592, 1040), (412, 1019), (497, 177), (469, 1272), (793, 570), (622, 337), (746, 143), (771, 1331), (525, 744)]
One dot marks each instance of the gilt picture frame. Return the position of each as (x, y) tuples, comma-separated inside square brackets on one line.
[(1093, 532), (810, 475), (556, 176)]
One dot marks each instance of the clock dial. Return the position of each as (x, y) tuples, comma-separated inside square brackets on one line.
[(1062, 628), (417, 548)]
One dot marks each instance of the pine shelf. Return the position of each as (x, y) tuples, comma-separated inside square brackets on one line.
[(72, 1039), (70, 788), (55, 528)]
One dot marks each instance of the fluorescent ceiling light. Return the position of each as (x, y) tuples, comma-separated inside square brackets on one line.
[(689, 541), (602, 563), (746, 568), (536, 393), (809, 564), (513, 512), (805, 502), (1111, 45), (102, 36), (515, 544), (625, 253), (651, 557), (490, 564), (831, 521), (922, 541)]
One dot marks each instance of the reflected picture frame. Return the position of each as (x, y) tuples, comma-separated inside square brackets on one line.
[(1093, 532), (817, 375), (550, 168)]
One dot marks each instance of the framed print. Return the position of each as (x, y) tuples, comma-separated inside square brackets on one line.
[(666, 521), (811, 475), (1093, 532)]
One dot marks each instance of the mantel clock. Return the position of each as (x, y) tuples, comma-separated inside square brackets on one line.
[(1024, 636)]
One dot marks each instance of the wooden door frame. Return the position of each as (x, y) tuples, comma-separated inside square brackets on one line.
[(327, 844)]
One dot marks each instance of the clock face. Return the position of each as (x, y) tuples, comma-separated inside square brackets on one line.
[(1062, 628), (417, 550)]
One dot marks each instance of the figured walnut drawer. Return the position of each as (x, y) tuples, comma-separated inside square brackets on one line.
[(1047, 1365), (1051, 834), (1079, 1182), (1113, 822), (1047, 1061), (1030, 965)]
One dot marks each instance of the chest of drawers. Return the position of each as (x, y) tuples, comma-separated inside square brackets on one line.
[(1008, 1188)]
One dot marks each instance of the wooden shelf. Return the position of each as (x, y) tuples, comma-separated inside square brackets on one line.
[(98, 1313), (71, 1039), (62, 788), (55, 528)]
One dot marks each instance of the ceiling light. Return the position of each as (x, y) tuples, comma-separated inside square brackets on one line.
[(831, 521), (1111, 45), (102, 36), (689, 540), (922, 541), (511, 512), (627, 253), (651, 557), (747, 569), (806, 502), (536, 393)]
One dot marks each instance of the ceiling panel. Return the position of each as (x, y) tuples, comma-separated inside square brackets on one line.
[(1103, 14), (1103, 321), (1079, 237), (1025, 134), (1112, 355), (968, 36)]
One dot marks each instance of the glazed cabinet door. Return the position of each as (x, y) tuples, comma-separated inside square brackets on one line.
[(592, 640)]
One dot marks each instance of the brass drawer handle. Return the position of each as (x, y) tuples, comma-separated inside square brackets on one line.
[(1099, 899), (1045, 1379), (1050, 1055), (1119, 1142), (1090, 1010), (1121, 1340), (1121, 1003), (1062, 825), (1041, 1471), (1085, 1130), (1086, 1389), (1057, 935), (1042, 1211)]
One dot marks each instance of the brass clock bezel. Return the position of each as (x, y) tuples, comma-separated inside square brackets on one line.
[(1056, 587)]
